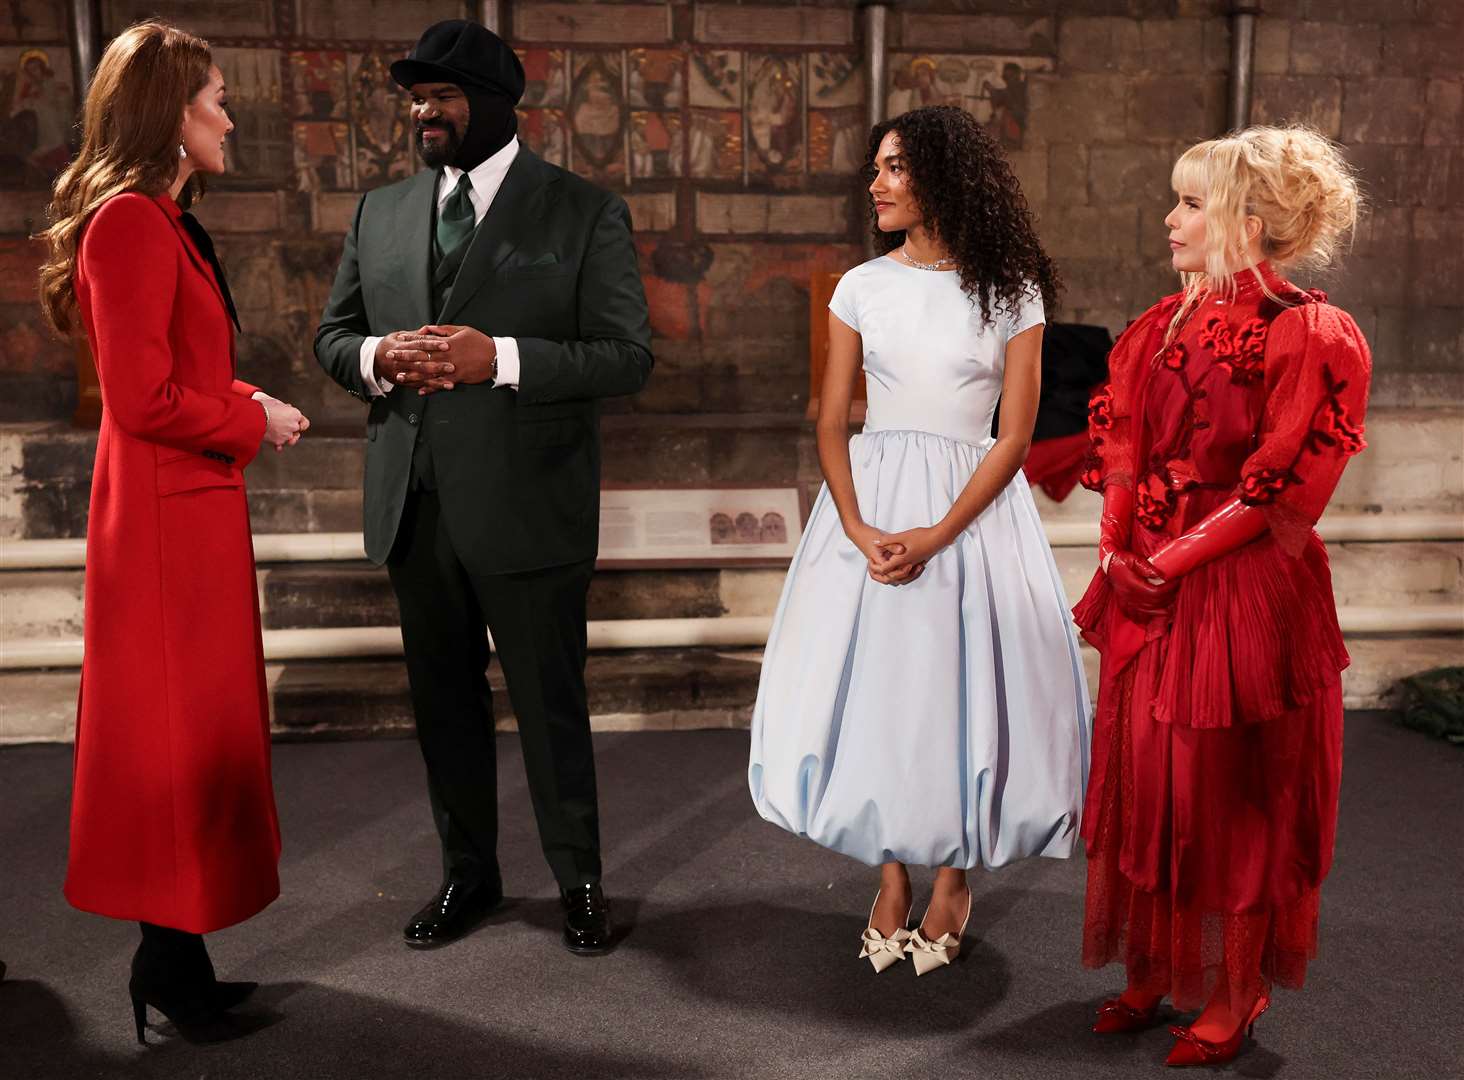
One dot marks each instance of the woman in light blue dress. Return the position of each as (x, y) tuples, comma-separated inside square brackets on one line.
[(922, 699)]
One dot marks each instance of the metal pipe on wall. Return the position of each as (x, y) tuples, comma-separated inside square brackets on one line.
[(876, 58), (86, 48), (1243, 15), (876, 78), (490, 14)]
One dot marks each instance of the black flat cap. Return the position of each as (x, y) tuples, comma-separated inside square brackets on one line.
[(463, 53)]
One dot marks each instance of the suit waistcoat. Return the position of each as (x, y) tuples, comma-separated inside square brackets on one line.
[(444, 275)]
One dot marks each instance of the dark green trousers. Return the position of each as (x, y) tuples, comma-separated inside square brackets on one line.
[(537, 620)]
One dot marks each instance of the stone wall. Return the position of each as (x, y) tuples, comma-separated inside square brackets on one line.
[(734, 129)]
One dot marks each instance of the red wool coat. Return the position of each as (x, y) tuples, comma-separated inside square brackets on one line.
[(173, 818)]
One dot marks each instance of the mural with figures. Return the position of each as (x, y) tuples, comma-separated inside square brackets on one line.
[(259, 151), (993, 88), (707, 134), (35, 129), (769, 119)]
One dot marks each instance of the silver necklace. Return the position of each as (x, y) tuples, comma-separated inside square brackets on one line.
[(939, 264)]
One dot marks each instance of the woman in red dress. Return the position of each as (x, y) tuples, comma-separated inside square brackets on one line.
[(1231, 410), (173, 820)]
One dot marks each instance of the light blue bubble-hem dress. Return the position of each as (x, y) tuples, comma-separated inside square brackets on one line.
[(944, 722)]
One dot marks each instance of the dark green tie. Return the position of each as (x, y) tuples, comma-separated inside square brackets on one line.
[(455, 218)]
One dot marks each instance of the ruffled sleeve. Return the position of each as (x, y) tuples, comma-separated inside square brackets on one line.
[(1317, 369), (1111, 408)]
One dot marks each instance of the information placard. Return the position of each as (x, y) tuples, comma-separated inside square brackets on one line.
[(729, 526)]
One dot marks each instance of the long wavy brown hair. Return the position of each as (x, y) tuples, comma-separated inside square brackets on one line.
[(131, 130)]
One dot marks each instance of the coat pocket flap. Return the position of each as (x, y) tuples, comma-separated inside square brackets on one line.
[(193, 472)]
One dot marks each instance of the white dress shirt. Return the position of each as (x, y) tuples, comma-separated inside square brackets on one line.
[(486, 178)]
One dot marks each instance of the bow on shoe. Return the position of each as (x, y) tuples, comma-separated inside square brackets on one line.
[(929, 955), (883, 951)]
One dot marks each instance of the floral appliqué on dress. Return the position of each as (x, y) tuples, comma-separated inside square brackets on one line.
[(1331, 426), (1241, 352)]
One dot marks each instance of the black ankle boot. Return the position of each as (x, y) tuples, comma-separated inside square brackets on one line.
[(223, 995), (166, 974)]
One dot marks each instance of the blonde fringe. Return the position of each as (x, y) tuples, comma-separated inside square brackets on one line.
[(1293, 178)]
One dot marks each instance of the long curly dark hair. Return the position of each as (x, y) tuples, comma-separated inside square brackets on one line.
[(971, 202)]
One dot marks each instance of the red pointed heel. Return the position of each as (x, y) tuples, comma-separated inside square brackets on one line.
[(1116, 1016), (1190, 1049)]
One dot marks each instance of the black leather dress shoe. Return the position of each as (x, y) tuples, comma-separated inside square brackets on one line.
[(455, 910), (586, 920)]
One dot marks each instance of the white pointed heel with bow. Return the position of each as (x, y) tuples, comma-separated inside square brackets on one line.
[(883, 951), (928, 955)]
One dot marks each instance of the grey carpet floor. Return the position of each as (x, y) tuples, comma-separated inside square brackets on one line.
[(739, 956)]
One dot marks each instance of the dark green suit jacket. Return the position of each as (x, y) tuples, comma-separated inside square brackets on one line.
[(552, 265)]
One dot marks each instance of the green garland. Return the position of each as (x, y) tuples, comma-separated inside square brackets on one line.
[(1433, 703)]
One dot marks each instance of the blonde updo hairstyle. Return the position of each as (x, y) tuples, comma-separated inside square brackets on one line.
[(1293, 179)]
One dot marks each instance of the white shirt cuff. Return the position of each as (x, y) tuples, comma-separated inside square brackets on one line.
[(508, 362), (374, 387)]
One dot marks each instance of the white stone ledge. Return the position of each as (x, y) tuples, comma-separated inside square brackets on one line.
[(70, 554), (347, 642)]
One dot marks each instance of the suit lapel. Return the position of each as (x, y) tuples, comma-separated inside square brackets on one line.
[(413, 230), (518, 206)]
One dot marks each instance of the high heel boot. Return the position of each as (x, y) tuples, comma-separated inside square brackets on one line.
[(171, 971), (223, 995)]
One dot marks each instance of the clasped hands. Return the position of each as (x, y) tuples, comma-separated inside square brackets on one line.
[(895, 558), (434, 358), (1141, 590), (284, 424)]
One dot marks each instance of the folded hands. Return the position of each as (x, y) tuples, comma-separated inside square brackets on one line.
[(896, 558), (434, 357)]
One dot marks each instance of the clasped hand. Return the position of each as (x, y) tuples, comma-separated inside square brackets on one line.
[(434, 358), (895, 558), (1140, 589), (284, 423)]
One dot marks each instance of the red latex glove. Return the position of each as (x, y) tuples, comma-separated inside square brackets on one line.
[(1226, 528), (1134, 586), (1115, 526)]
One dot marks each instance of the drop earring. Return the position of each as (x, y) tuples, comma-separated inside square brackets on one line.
[(182, 153)]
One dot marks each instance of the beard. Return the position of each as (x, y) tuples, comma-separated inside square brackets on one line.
[(437, 154)]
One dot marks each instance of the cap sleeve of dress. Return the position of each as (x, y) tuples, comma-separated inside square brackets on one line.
[(1317, 369), (844, 301), (1028, 313)]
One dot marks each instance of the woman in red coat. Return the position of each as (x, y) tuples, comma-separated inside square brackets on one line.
[(1217, 747), (173, 820)]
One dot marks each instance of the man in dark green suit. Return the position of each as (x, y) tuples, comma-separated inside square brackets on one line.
[(482, 307)]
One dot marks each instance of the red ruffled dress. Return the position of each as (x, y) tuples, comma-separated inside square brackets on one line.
[(1217, 744)]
